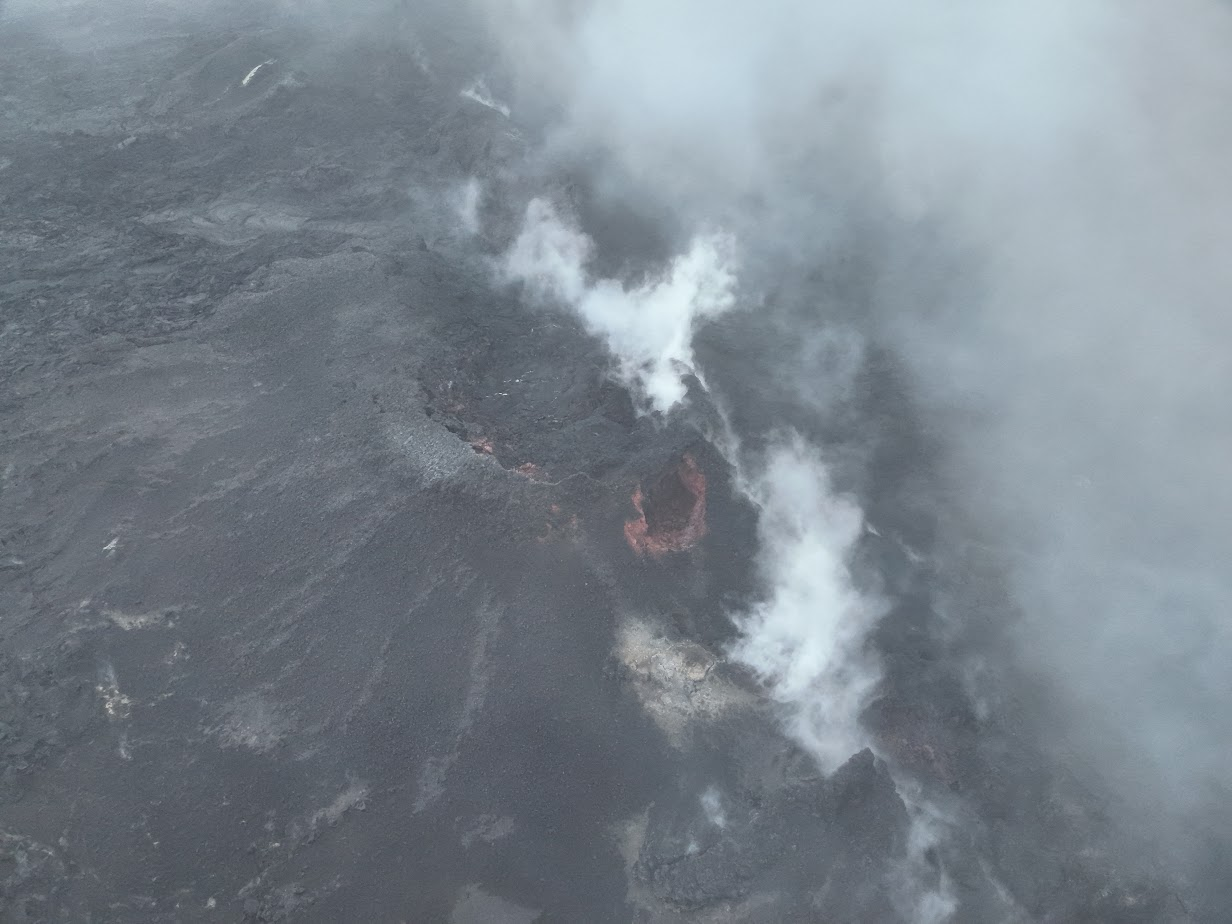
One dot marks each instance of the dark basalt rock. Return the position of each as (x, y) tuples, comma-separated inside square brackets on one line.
[(315, 540), (829, 840)]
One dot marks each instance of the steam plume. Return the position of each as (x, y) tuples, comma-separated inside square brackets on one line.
[(648, 327), (1038, 196), (808, 639)]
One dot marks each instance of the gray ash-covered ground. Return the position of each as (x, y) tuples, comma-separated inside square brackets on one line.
[(316, 596)]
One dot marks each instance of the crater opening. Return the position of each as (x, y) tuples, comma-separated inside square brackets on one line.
[(671, 511)]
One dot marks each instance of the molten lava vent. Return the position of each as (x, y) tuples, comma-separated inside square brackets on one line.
[(671, 511)]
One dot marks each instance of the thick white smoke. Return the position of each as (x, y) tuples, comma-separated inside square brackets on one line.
[(648, 327), (1046, 182), (808, 639)]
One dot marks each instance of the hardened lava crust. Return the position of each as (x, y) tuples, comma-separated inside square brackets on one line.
[(341, 582)]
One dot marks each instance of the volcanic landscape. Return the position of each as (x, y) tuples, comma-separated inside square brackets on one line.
[(348, 574)]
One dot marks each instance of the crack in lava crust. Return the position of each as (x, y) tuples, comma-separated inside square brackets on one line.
[(671, 512)]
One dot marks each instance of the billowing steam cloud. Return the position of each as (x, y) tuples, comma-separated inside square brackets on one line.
[(808, 640), (649, 327), (1039, 195)]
